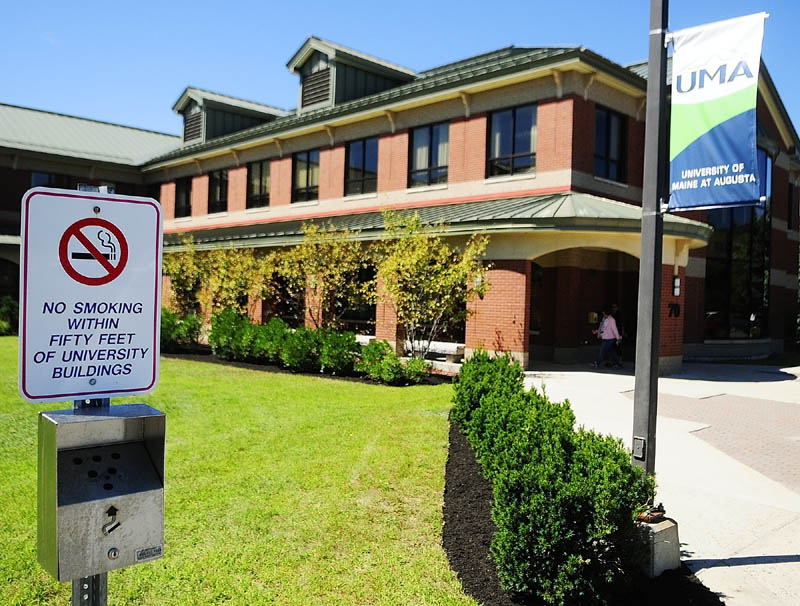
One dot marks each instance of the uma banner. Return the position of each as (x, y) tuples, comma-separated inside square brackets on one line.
[(713, 123)]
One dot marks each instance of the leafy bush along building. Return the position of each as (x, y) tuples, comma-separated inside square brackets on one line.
[(541, 148)]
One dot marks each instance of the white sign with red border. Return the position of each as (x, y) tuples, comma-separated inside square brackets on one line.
[(90, 295)]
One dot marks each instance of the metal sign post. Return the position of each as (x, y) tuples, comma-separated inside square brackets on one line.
[(653, 196), (91, 590)]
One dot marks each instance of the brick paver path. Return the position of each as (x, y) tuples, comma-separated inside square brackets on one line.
[(762, 434)]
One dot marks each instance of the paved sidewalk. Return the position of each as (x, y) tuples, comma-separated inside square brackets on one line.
[(727, 466)]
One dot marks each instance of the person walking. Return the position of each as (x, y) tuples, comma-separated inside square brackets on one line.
[(609, 336)]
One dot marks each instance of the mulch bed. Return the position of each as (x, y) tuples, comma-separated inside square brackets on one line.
[(468, 530)]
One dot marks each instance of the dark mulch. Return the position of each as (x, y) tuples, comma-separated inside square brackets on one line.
[(468, 530)]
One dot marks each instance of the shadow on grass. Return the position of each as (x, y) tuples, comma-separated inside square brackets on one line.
[(468, 531)]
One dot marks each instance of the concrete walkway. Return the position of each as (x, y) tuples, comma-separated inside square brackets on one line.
[(727, 466)]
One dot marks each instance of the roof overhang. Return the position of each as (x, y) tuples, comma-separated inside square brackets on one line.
[(566, 213), (578, 60)]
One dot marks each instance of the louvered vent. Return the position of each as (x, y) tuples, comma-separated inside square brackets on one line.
[(316, 87), (192, 126)]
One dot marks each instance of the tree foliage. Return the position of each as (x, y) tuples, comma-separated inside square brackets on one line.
[(235, 277), (186, 272), (323, 269), (427, 282)]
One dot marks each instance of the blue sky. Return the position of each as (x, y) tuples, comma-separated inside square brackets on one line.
[(128, 62)]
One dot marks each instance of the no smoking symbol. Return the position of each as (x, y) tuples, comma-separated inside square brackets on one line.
[(81, 261)]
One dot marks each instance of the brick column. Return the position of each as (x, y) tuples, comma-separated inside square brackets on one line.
[(554, 135), (280, 187), (255, 311), (393, 162), (313, 308), (200, 196), (500, 322), (166, 291), (568, 317), (386, 326), (167, 199), (237, 188), (467, 150), (331, 173), (670, 353)]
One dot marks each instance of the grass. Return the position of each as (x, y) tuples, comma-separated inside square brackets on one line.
[(280, 489)]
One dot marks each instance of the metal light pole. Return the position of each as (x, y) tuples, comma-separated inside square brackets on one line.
[(653, 194)]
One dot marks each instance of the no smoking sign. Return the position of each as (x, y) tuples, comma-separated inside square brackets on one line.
[(90, 295)]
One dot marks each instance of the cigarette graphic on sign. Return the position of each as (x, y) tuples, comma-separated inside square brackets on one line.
[(105, 241)]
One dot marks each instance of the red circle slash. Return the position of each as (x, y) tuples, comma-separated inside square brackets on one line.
[(74, 231)]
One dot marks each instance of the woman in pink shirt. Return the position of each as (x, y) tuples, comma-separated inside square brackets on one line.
[(610, 337)]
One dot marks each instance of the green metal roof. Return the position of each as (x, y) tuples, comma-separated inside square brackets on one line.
[(57, 134), (476, 69), (569, 211), (200, 95)]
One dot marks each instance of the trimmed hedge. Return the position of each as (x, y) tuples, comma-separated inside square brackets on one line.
[(233, 337), (565, 500)]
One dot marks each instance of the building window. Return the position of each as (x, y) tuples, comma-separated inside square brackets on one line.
[(50, 180), (183, 197), (361, 162), (258, 184), (610, 130), (305, 184), (218, 191), (429, 155), (738, 266), (154, 191), (512, 141)]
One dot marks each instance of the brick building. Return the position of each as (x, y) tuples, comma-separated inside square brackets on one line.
[(540, 148)]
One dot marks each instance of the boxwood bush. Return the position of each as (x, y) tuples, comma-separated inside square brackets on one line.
[(179, 334), (565, 500), (233, 337)]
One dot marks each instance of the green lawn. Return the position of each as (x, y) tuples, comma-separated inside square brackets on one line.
[(280, 489)]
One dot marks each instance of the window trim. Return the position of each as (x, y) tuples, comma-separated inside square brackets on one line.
[(364, 179), (218, 205), (260, 200), (446, 167), (622, 160), (308, 190), (513, 156)]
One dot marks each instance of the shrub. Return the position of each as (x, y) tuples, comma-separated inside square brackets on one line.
[(300, 350), (269, 340), (338, 352), (380, 363), (480, 375), (9, 316), (178, 335), (227, 337), (564, 501)]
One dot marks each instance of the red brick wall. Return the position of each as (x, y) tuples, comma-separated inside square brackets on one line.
[(393, 162), (635, 152), (280, 187), (501, 320), (671, 342), (583, 135), (467, 160), (386, 327), (167, 198), (331, 172), (200, 195), (313, 309), (237, 188), (255, 311), (554, 145)]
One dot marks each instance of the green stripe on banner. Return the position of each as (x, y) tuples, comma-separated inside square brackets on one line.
[(690, 122)]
